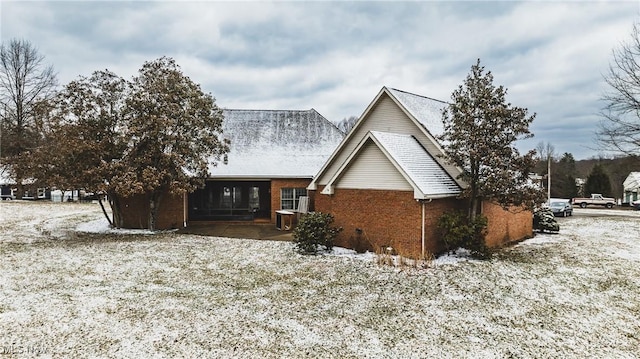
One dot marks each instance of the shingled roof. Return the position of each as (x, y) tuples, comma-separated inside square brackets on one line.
[(426, 110), (276, 143), (420, 168)]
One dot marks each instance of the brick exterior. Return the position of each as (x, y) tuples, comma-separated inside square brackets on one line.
[(392, 218), (385, 218), (506, 226), (135, 211), (277, 184)]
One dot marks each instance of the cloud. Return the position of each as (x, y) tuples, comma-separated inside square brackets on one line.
[(335, 56)]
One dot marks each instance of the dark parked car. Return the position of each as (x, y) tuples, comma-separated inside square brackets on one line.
[(561, 207)]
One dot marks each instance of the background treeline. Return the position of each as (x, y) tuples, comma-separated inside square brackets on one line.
[(601, 175)]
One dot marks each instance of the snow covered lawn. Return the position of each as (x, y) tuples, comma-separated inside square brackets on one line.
[(67, 293)]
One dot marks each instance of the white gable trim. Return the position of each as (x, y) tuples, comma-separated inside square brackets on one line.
[(417, 192), (314, 186), (329, 188)]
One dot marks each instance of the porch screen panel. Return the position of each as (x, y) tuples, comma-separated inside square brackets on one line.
[(225, 197), (237, 197), (254, 198)]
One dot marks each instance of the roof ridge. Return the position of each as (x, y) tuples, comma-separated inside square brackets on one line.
[(392, 133), (415, 94)]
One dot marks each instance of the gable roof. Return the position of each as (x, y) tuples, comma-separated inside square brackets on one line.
[(275, 143), (427, 111), (415, 164), (424, 112)]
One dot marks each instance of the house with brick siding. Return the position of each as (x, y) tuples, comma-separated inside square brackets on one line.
[(386, 183), (273, 157)]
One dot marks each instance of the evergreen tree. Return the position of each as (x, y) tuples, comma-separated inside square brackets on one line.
[(173, 130), (563, 184), (598, 182), (153, 135), (480, 131), (84, 137)]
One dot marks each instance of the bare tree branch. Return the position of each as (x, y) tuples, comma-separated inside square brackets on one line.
[(619, 130), (24, 81)]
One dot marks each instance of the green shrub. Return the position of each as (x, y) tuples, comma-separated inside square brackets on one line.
[(545, 220), (313, 231), (456, 231)]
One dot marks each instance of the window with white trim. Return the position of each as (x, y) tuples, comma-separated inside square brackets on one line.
[(290, 197)]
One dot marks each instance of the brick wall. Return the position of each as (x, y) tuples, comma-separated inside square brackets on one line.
[(135, 211), (392, 218), (386, 218), (277, 184), (506, 226)]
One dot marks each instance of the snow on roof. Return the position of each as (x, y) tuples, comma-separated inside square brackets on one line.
[(632, 182), (5, 176), (276, 143), (426, 110), (418, 164)]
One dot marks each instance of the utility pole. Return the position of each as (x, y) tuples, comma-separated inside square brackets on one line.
[(549, 177)]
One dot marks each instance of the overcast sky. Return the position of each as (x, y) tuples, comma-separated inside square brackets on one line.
[(336, 56)]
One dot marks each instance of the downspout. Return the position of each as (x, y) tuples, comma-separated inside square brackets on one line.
[(424, 245)]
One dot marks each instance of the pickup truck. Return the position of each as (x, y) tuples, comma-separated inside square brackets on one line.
[(596, 199)]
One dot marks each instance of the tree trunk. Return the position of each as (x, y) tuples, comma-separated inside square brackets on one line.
[(19, 180), (473, 208), (474, 203), (114, 202), (154, 206), (104, 211)]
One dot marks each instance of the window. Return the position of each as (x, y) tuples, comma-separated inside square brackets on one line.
[(289, 197)]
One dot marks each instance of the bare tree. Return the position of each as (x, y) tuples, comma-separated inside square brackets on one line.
[(619, 131), (545, 151), (24, 81), (346, 124)]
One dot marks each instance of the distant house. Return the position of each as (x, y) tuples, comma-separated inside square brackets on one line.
[(386, 184), (7, 184), (273, 157), (631, 187), (8, 187)]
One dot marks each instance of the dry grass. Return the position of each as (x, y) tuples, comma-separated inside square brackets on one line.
[(574, 294)]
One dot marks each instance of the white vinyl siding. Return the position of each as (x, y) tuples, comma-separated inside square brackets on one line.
[(386, 116), (371, 169)]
